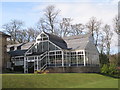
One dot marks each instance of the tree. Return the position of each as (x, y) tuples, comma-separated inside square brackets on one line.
[(12, 28), (41, 25), (108, 37), (21, 36), (31, 34), (116, 25), (65, 27), (94, 26), (50, 21), (77, 29), (101, 43)]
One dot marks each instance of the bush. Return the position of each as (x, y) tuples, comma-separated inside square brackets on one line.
[(41, 72), (112, 69), (104, 69), (109, 69)]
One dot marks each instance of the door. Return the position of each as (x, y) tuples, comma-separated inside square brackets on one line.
[(30, 67)]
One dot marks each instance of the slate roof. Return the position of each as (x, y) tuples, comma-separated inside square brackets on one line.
[(4, 34), (27, 45), (15, 45), (17, 53), (78, 42), (24, 48), (57, 40)]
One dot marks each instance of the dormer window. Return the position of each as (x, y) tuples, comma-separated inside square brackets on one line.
[(12, 48), (19, 48), (39, 39)]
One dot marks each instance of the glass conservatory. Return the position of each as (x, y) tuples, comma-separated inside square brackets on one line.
[(52, 51)]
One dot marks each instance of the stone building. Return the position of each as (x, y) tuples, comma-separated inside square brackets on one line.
[(3, 50)]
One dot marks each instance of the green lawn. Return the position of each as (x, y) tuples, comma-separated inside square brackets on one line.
[(59, 80)]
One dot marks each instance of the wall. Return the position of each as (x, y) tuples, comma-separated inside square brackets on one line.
[(92, 53), (0, 53), (82, 69), (4, 57)]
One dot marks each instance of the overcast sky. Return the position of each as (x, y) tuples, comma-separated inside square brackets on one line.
[(30, 11)]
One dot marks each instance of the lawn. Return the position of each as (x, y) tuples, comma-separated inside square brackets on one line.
[(58, 80)]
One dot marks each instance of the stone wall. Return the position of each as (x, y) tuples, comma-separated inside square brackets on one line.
[(0, 53), (82, 69), (4, 57)]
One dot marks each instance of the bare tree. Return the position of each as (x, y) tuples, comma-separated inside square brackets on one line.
[(108, 37), (32, 34), (116, 25), (21, 36), (101, 43), (12, 28), (77, 29), (65, 27), (97, 33), (49, 21), (94, 26), (41, 25)]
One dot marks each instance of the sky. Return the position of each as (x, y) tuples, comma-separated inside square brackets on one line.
[(30, 11)]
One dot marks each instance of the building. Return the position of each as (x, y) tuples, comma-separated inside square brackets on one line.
[(68, 54), (3, 50)]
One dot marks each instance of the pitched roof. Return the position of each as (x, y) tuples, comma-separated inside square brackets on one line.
[(57, 40), (17, 52), (2, 33), (27, 45), (78, 42), (15, 45)]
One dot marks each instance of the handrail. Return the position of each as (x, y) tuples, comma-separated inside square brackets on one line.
[(37, 55), (39, 58), (42, 57), (43, 66)]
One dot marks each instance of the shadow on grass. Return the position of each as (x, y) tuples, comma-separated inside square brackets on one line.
[(113, 76)]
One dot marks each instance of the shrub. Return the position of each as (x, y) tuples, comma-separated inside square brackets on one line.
[(112, 69), (105, 69), (41, 72)]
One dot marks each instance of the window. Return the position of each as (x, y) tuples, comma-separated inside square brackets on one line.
[(44, 37), (11, 48), (81, 52), (19, 48), (39, 39)]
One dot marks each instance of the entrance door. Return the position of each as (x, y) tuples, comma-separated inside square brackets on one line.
[(30, 67)]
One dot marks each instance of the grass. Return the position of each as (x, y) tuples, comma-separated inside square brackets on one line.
[(58, 80)]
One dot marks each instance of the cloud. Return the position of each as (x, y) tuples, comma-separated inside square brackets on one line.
[(81, 12)]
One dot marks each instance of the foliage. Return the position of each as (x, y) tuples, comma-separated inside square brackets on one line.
[(104, 69), (41, 72), (103, 59), (110, 69)]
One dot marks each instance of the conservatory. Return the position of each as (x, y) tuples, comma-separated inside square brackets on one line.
[(52, 51)]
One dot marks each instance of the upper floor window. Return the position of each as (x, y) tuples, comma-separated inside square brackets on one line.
[(39, 39), (11, 48), (42, 37)]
